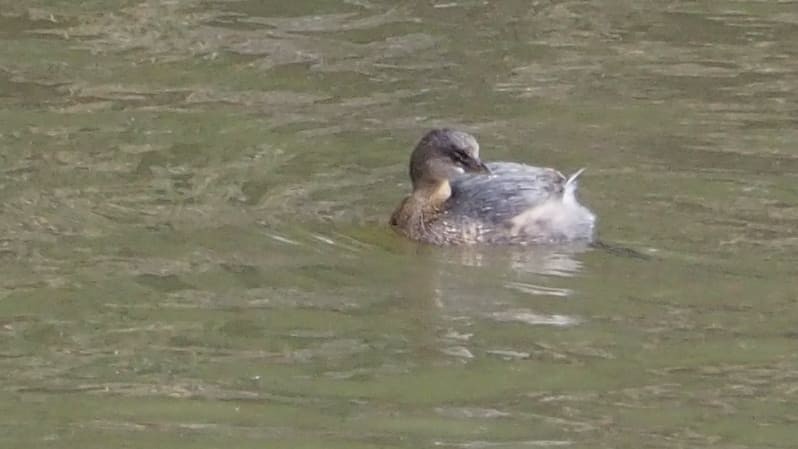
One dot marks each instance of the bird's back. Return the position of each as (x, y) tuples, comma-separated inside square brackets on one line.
[(510, 190), (517, 203)]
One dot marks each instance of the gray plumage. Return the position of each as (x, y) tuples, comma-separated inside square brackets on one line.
[(518, 204), (509, 190)]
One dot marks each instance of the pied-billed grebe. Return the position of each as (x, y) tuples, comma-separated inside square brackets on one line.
[(457, 199)]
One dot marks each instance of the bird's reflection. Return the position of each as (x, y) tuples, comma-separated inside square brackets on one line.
[(454, 292)]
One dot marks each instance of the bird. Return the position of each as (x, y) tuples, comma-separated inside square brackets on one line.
[(457, 199)]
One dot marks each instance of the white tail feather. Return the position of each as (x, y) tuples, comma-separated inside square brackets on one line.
[(569, 190), (573, 179)]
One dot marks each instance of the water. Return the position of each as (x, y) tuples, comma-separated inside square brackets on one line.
[(194, 250)]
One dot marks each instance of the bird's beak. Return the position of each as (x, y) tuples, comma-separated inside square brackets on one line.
[(477, 166)]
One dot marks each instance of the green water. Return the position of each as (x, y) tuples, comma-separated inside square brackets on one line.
[(194, 250)]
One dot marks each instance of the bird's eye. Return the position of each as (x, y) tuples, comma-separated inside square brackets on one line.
[(460, 157)]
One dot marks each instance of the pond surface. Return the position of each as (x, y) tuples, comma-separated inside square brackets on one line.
[(194, 250)]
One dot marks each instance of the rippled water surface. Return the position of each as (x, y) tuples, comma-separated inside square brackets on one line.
[(194, 250)]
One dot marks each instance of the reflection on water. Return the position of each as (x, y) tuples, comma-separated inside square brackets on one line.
[(195, 253)]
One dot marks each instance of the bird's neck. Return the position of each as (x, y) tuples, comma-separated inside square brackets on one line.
[(433, 193), (421, 207)]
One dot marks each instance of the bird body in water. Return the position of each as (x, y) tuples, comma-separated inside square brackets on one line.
[(458, 199)]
